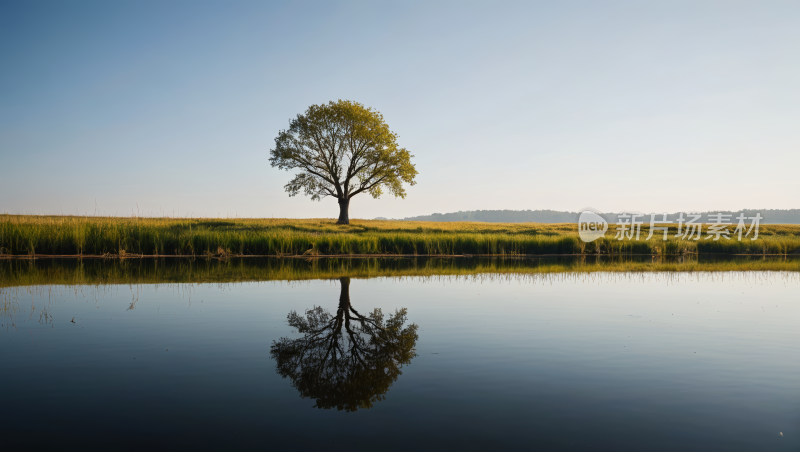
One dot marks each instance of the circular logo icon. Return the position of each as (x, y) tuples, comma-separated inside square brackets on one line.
[(591, 226)]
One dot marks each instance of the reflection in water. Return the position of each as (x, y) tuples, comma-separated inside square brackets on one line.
[(347, 360), (616, 360), (75, 272)]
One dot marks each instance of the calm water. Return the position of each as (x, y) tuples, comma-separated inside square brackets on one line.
[(548, 362)]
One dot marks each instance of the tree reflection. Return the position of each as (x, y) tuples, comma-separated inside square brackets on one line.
[(347, 360)]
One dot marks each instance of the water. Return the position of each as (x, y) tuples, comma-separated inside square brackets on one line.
[(565, 361)]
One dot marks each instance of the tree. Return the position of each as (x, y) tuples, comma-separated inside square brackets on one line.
[(342, 149), (349, 360)]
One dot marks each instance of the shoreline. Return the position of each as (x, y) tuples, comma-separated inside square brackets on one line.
[(27, 237), (363, 256)]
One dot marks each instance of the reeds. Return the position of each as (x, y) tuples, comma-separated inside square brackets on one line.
[(137, 236), (73, 272)]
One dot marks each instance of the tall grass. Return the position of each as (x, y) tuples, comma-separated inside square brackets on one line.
[(73, 272), (114, 236)]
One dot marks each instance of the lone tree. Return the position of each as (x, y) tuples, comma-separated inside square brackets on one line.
[(342, 149), (348, 360)]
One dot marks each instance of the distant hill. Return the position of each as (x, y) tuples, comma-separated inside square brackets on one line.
[(770, 216)]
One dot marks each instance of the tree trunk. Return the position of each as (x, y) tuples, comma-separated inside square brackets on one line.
[(344, 296), (344, 216)]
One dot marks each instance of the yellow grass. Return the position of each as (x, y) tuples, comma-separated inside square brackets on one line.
[(22, 235)]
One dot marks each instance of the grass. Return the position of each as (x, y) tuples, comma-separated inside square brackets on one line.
[(73, 272), (25, 235)]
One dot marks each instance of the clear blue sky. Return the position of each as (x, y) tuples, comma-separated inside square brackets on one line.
[(174, 105)]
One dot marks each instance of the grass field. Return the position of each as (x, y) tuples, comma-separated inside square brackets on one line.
[(25, 235)]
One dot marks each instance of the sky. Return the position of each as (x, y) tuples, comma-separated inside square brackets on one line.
[(171, 108)]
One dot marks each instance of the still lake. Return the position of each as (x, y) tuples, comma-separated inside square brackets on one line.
[(556, 361)]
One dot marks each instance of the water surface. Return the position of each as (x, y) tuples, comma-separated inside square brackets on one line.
[(552, 361)]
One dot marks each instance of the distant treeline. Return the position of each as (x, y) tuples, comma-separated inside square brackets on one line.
[(769, 216)]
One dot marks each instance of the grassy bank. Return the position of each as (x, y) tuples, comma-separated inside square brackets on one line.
[(113, 236), (73, 272)]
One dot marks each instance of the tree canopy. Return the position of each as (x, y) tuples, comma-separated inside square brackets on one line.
[(348, 360), (342, 149)]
